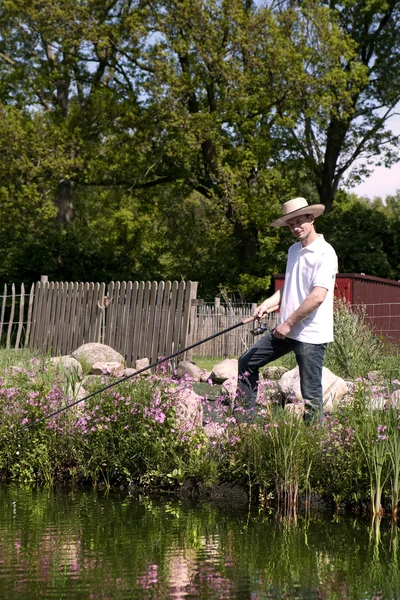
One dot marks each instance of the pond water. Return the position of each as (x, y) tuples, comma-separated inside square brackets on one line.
[(86, 544)]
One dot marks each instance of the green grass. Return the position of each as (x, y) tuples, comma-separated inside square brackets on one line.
[(208, 363)]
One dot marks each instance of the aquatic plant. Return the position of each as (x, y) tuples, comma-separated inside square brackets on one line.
[(370, 423)]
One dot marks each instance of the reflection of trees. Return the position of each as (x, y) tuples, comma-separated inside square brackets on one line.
[(118, 546)]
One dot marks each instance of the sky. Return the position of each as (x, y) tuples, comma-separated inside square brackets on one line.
[(382, 182)]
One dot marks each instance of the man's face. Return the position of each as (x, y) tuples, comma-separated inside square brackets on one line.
[(301, 226)]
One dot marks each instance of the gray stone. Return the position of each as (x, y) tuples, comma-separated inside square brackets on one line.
[(142, 363), (334, 388), (187, 369), (214, 431), (75, 393), (67, 364), (394, 399), (205, 376), (189, 408), (129, 372), (114, 369), (91, 353), (228, 388), (269, 392), (273, 373), (224, 370)]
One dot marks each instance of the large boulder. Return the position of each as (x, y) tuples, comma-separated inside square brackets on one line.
[(187, 369), (225, 370), (334, 388), (92, 353)]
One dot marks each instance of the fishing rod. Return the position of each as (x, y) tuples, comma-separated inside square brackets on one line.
[(259, 329)]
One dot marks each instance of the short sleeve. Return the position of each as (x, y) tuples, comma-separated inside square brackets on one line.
[(326, 270)]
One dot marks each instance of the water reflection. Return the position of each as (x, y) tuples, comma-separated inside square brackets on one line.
[(88, 545)]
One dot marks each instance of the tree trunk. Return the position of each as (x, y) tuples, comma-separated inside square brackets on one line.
[(327, 179), (64, 201)]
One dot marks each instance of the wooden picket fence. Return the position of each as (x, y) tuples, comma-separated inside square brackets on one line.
[(138, 319)]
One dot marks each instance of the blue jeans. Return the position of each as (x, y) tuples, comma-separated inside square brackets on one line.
[(309, 357)]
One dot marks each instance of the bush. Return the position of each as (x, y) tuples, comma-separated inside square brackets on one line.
[(355, 347)]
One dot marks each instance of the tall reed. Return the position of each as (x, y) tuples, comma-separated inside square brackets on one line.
[(371, 431)]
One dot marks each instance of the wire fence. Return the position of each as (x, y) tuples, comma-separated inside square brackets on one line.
[(384, 319), (210, 318)]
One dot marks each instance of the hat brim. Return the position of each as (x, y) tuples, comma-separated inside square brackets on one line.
[(312, 209)]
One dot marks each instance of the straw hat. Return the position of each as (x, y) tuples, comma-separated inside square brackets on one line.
[(296, 207)]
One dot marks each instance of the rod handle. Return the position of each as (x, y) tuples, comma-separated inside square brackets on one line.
[(270, 310), (248, 320)]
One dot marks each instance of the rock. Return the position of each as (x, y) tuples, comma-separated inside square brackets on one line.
[(91, 353), (394, 399), (214, 431), (334, 388), (268, 392), (205, 376), (129, 372), (114, 369), (187, 369), (273, 373), (224, 370), (226, 492), (376, 377), (228, 388), (142, 363), (189, 408), (67, 364), (76, 393)]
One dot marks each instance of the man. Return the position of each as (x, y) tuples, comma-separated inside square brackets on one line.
[(306, 311)]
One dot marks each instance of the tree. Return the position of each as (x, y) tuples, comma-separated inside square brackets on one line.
[(165, 129), (363, 237), (329, 138)]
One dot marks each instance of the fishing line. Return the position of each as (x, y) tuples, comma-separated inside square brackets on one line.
[(155, 364)]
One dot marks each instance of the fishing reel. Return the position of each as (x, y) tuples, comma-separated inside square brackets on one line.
[(259, 327)]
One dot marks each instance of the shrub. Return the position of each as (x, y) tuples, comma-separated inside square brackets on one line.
[(355, 347)]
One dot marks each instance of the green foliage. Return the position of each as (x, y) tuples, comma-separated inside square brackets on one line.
[(134, 434), (338, 469), (157, 140), (355, 347), (363, 238), (378, 437)]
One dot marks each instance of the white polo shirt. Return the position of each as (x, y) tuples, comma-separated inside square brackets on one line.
[(314, 265)]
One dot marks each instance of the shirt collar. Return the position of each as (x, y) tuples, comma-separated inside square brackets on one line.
[(313, 247)]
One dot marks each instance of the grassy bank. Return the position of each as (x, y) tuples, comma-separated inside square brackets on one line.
[(134, 433)]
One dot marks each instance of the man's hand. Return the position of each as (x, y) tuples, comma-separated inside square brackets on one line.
[(269, 305), (308, 305), (281, 331), (262, 309)]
